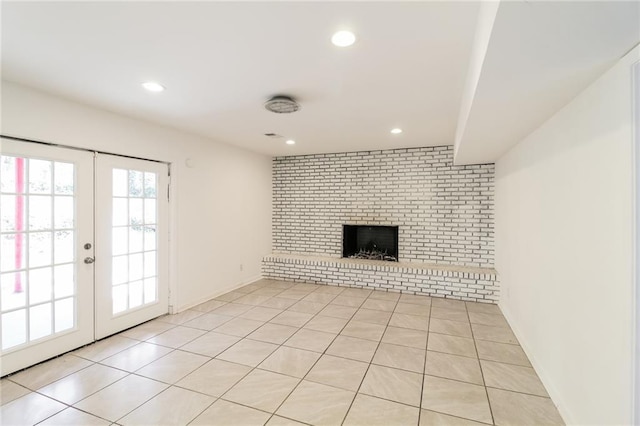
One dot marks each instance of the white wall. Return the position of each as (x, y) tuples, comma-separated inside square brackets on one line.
[(220, 210), (564, 249)]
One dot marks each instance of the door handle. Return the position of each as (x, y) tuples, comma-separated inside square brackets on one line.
[(89, 260)]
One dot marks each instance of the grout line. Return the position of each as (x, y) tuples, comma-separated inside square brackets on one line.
[(325, 304), (426, 352), (370, 362), (484, 383)]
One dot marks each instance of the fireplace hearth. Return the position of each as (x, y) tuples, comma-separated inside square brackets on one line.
[(371, 242)]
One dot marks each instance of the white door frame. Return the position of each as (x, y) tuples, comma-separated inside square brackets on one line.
[(636, 244), (23, 356), (171, 252), (106, 322)]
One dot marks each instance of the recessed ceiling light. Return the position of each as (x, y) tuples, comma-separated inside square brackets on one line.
[(290, 142), (343, 38), (396, 131), (152, 86)]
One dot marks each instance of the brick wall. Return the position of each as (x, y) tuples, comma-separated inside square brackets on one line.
[(444, 212), (472, 284)]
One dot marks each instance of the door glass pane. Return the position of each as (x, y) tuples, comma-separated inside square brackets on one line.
[(36, 232), (64, 314), (134, 269), (40, 324), (14, 328)]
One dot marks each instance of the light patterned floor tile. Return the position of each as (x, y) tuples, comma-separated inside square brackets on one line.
[(511, 408), (488, 319), (393, 384), (176, 337), (363, 330), (415, 299), (278, 303), (261, 389), (379, 304), (409, 321), (317, 404), (372, 316), (456, 398), (307, 307), (105, 348), (401, 357), (174, 406), (353, 348), (513, 378), (485, 308), (273, 333), (413, 309), (431, 418), (292, 319), (248, 352), (354, 302), (339, 372), (454, 367), (48, 372), (452, 344), (29, 409), (10, 391), (180, 318), (109, 403), (215, 377), (337, 311), (438, 302), (261, 313), (231, 309), (73, 417), (290, 361), (494, 334), (147, 330), (326, 324), (173, 367), (211, 344), (225, 413), (282, 421), (405, 337), (454, 328), (208, 322), (367, 410), (312, 340), (449, 314), (136, 356), (240, 327), (502, 352), (77, 386)]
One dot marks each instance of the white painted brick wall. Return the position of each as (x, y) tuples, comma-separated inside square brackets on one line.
[(476, 286), (444, 212)]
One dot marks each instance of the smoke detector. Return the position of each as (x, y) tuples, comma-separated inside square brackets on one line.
[(282, 105)]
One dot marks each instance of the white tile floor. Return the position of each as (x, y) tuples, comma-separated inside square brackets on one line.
[(281, 353)]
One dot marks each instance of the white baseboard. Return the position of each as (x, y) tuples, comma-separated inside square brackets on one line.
[(553, 392), (219, 293)]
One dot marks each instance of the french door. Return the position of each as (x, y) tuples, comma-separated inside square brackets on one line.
[(83, 243)]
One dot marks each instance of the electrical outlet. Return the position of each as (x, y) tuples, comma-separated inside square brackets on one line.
[(241, 267)]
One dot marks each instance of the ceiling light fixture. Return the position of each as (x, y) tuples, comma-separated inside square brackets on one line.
[(152, 86), (343, 38), (282, 104), (396, 131), (290, 142)]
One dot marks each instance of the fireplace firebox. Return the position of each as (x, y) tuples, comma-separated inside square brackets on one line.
[(370, 242)]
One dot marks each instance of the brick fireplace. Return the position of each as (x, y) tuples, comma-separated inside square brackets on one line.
[(443, 214)]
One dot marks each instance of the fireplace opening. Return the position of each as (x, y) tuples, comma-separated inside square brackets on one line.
[(370, 242)]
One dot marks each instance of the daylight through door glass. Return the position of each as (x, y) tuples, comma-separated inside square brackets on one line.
[(134, 271), (37, 249)]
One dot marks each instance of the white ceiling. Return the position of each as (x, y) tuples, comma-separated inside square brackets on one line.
[(220, 61)]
